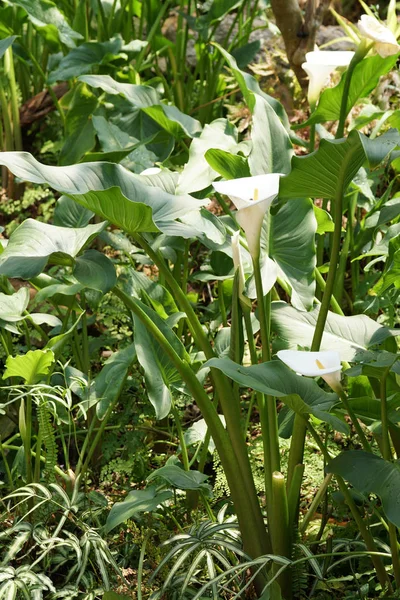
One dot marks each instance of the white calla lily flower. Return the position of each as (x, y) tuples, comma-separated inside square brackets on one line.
[(385, 40), (252, 197), (319, 66), (325, 364)]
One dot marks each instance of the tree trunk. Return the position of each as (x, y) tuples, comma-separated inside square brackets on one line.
[(298, 31)]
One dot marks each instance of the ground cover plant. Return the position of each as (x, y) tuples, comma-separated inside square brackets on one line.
[(199, 303)]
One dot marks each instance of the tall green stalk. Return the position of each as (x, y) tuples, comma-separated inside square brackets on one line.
[(387, 455), (224, 390), (251, 523)]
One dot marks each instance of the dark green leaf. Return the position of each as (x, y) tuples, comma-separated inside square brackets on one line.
[(369, 473), (81, 60), (136, 502), (95, 271), (334, 164), (79, 131)]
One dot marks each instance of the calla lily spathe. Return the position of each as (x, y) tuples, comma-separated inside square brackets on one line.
[(325, 364), (252, 197), (385, 40), (319, 66)]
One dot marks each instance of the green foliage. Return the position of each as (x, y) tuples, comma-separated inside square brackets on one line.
[(116, 374)]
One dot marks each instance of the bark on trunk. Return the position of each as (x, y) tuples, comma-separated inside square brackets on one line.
[(298, 31)]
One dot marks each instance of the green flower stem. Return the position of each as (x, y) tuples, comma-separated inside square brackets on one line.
[(280, 535), (251, 523), (221, 303), (387, 455), (386, 448), (364, 531), (361, 51), (184, 452), (334, 258), (293, 494), (364, 442), (223, 388), (322, 285), (315, 503), (261, 409), (263, 317)]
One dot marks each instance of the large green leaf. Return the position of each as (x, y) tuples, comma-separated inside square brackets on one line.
[(331, 168), (110, 191), (275, 379), (180, 479), (170, 118), (346, 335), (79, 130), (292, 246), (30, 366), (271, 146), (81, 60), (365, 78), (230, 166), (159, 372), (136, 502), (369, 473), (45, 15), (110, 382), (34, 243), (95, 271), (139, 96)]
